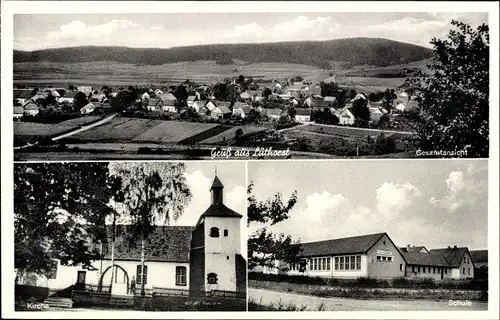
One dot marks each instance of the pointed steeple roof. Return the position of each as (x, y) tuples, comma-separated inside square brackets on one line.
[(216, 184)]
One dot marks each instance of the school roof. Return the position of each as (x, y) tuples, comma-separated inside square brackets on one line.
[(425, 259), (479, 256), (349, 245), (452, 255), (166, 243)]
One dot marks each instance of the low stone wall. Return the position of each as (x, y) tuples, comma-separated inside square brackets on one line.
[(371, 293)]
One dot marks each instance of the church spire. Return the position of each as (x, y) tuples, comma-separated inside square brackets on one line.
[(217, 190)]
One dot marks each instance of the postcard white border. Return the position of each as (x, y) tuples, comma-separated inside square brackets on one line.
[(9, 8)]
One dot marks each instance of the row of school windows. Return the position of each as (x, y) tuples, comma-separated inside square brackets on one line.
[(180, 276), (418, 269), (341, 263), (214, 232)]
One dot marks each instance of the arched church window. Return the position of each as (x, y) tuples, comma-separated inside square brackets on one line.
[(214, 232), (212, 278)]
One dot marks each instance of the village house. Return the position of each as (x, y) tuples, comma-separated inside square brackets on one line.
[(97, 97), (194, 259), (87, 90), (158, 92), (480, 258), (303, 115), (346, 117), (376, 256), (241, 109), (199, 106), (31, 108), (145, 96), (375, 114), (88, 108), (154, 105), (222, 110), (22, 96), (18, 112), (69, 96), (191, 100), (274, 113), (169, 102), (245, 96), (447, 263)]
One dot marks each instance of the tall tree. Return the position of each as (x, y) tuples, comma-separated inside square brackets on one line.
[(80, 100), (454, 97), (154, 193), (360, 110), (58, 210), (264, 246)]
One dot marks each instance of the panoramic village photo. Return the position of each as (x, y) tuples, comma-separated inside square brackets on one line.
[(152, 236), (250, 86), (403, 240)]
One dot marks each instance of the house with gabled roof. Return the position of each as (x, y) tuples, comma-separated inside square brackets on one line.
[(241, 109), (22, 95), (459, 259), (189, 260), (439, 264), (199, 106), (68, 96), (31, 108), (154, 104), (222, 110), (190, 100)]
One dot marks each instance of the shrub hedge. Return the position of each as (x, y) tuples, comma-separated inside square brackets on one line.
[(366, 282)]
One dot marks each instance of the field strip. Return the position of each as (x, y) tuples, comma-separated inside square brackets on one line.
[(84, 128), (362, 129)]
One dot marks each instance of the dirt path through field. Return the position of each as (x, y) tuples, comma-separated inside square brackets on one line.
[(85, 128), (313, 303)]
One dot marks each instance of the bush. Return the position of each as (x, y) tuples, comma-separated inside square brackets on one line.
[(25, 292), (365, 282)]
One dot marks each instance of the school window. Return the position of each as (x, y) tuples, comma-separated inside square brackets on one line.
[(400, 267), (468, 271), (429, 269), (384, 258), (180, 276), (445, 271), (463, 270), (434, 270), (226, 232), (324, 264), (138, 275), (327, 263), (214, 232), (347, 263), (418, 269), (379, 258), (423, 269), (412, 268), (212, 278), (389, 259)]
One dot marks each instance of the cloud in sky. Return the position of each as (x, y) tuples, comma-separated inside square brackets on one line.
[(452, 211), (78, 30), (138, 31)]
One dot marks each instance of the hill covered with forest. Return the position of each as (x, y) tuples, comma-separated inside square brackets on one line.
[(351, 52)]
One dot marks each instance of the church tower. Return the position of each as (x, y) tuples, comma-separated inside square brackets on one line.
[(217, 241)]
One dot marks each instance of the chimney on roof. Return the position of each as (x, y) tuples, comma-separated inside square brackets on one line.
[(408, 246), (455, 246), (449, 247)]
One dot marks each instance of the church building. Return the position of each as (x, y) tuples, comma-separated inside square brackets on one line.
[(188, 260)]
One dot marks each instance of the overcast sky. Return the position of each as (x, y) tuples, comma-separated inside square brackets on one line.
[(430, 203), (40, 31)]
